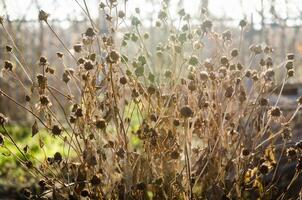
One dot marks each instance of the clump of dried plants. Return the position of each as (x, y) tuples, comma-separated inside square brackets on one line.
[(204, 126)]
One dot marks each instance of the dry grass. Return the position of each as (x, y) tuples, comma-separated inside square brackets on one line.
[(206, 127)]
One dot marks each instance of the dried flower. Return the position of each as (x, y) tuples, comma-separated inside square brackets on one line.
[(77, 47), (8, 48), (234, 53), (275, 112), (263, 169), (90, 32), (88, 65), (242, 23), (113, 57)]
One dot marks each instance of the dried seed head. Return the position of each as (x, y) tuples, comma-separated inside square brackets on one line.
[(79, 112), (44, 100), (263, 102), (224, 60), (8, 65), (275, 112), (290, 73), (290, 56), (95, 180), (60, 54), (113, 57), (175, 154), (8, 48), (3, 119), (43, 15), (42, 80), (90, 32), (289, 65), (206, 25), (66, 77), (234, 53), (245, 152), (121, 14), (57, 157), (88, 65), (263, 169), (85, 193), (26, 193), (81, 61), (100, 124), (291, 153), (186, 111), (43, 60), (269, 73), (229, 92), (56, 130), (204, 76), (77, 47), (123, 80), (227, 35), (242, 23)]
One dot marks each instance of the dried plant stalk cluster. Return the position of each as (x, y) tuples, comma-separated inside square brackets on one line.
[(203, 128)]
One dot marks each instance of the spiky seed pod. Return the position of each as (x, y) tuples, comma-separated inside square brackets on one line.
[(263, 102), (290, 73), (176, 122), (65, 77), (79, 113), (291, 153), (174, 154), (224, 60), (121, 14), (186, 111)]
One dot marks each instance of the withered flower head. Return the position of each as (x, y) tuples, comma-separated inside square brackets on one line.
[(289, 65), (8, 65), (121, 14), (43, 15), (290, 56)]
